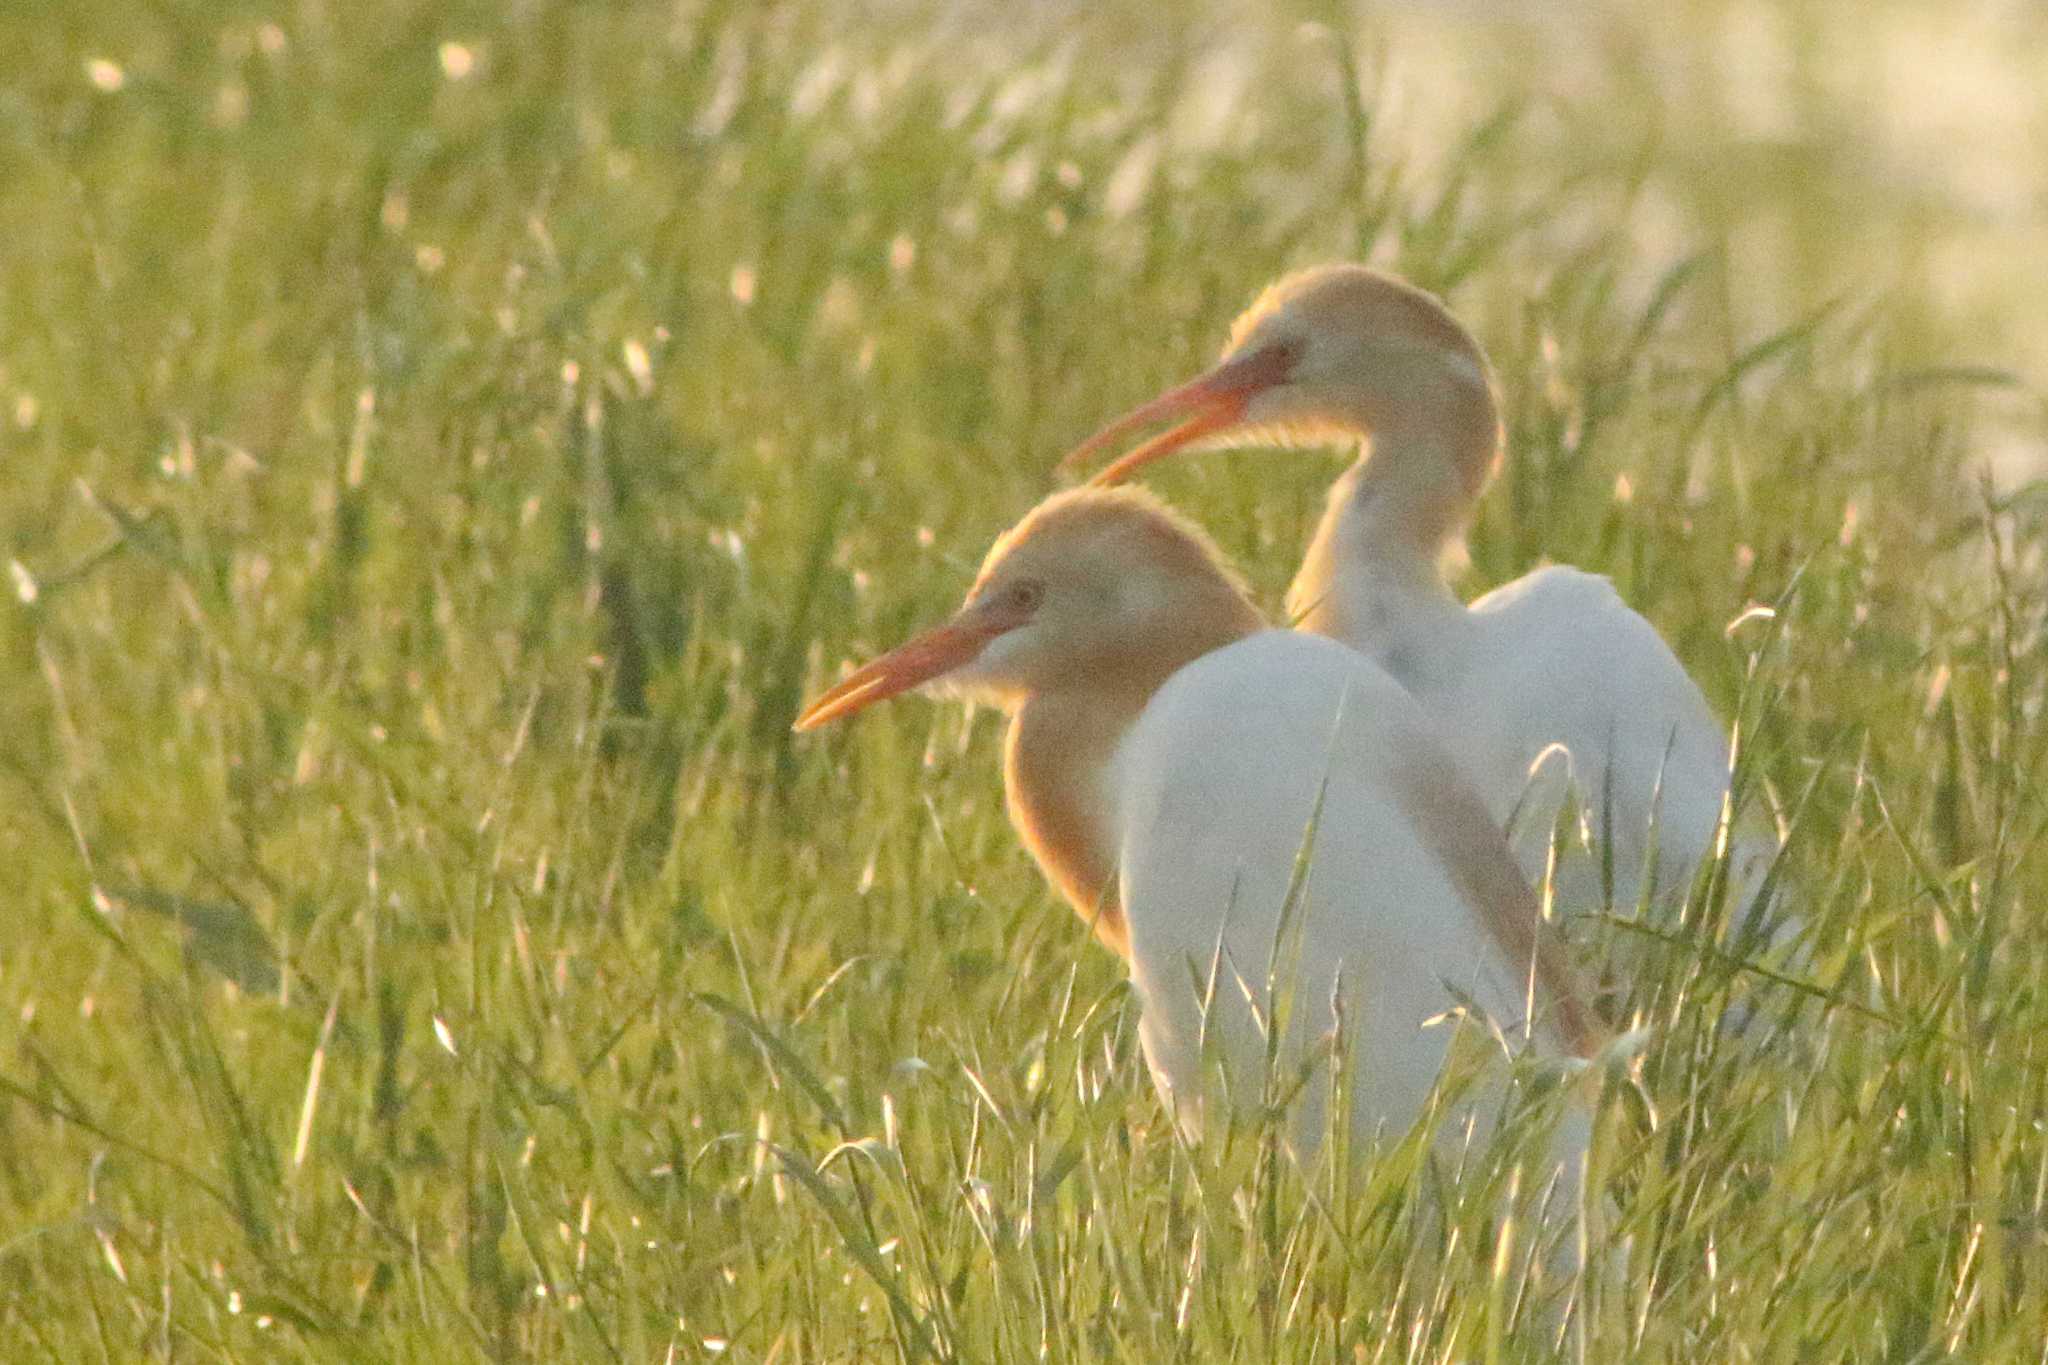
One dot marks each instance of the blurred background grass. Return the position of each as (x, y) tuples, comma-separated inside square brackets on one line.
[(443, 443)]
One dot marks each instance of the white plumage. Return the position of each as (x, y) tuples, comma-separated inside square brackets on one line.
[(1248, 756), (1546, 684), (1170, 759), (1592, 704)]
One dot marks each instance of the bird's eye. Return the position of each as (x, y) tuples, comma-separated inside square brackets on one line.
[(1026, 594)]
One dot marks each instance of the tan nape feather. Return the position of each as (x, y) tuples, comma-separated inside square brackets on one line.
[(1345, 289), (1125, 510), (1456, 824), (1055, 760)]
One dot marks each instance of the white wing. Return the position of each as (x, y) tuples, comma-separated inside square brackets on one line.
[(1219, 784), (1557, 658)]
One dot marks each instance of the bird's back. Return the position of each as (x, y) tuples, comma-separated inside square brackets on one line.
[(1558, 658), (1288, 743)]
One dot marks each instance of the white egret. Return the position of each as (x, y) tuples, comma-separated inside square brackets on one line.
[(1169, 758), (1546, 685)]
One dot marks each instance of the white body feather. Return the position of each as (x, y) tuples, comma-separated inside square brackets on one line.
[(1218, 785), (1592, 675), (1552, 687)]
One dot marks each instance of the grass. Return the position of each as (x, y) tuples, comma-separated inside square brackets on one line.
[(444, 443)]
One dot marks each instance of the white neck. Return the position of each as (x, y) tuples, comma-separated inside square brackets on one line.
[(1372, 576)]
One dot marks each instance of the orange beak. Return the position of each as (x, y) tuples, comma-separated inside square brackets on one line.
[(917, 661), (1212, 403)]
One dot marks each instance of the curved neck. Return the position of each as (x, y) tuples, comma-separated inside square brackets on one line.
[(1373, 564)]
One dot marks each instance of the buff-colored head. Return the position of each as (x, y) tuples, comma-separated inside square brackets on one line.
[(1104, 589), (1334, 353)]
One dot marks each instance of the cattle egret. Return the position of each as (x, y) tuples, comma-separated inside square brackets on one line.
[(1174, 766), (1544, 687)]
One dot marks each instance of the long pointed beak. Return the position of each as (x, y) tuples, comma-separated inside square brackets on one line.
[(1212, 403), (917, 661)]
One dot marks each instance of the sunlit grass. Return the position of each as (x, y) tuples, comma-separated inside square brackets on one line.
[(441, 448)]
